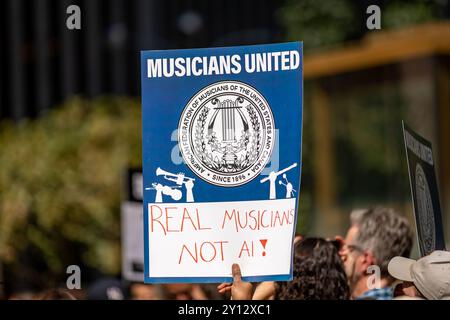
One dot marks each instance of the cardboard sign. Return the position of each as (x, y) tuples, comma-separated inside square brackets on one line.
[(132, 228), (424, 191), (221, 157)]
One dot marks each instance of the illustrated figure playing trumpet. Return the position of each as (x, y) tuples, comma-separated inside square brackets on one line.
[(180, 179)]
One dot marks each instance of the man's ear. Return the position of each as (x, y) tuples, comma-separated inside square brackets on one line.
[(368, 260)]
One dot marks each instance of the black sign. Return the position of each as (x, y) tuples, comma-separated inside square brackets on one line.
[(133, 227), (133, 185), (424, 191)]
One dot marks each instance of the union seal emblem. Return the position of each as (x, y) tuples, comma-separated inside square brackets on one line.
[(226, 133), (426, 226)]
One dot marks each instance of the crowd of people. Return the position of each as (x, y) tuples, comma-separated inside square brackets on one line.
[(370, 263)]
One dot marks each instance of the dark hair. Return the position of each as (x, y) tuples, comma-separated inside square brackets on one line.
[(318, 273), (55, 294)]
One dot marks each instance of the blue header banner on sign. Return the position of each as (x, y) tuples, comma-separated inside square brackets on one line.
[(222, 130)]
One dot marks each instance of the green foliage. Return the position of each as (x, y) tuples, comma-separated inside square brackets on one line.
[(322, 24), (400, 14), (60, 182), (318, 23), (370, 163)]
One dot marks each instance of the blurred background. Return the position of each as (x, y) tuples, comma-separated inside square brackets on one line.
[(70, 114)]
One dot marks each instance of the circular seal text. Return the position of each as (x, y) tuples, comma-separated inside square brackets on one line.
[(226, 133)]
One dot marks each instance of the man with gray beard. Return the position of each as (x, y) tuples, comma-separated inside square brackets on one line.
[(374, 238)]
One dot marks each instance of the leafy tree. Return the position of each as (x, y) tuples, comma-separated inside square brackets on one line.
[(405, 13), (322, 24), (60, 182), (318, 23)]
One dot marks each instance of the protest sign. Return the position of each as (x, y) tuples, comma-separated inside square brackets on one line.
[(221, 161), (132, 228), (424, 192)]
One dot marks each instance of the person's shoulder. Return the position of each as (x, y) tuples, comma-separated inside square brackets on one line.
[(377, 294), (408, 298)]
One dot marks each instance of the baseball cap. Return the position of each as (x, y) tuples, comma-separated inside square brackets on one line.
[(430, 274)]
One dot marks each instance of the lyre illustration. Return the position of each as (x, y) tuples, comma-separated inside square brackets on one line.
[(227, 142)]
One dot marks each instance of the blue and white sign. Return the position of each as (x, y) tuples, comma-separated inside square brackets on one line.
[(222, 130)]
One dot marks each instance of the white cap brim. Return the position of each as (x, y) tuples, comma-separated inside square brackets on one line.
[(400, 268)]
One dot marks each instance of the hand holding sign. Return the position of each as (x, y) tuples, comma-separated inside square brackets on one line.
[(240, 290)]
